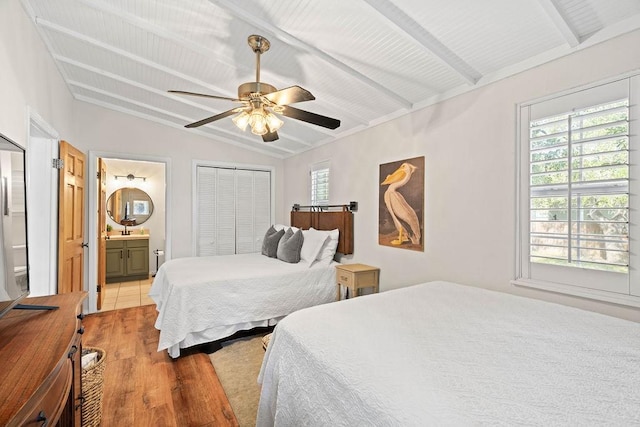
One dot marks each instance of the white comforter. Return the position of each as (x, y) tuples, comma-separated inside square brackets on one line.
[(446, 354), (203, 299)]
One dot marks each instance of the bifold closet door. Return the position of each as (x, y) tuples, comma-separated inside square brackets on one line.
[(233, 210), (253, 209)]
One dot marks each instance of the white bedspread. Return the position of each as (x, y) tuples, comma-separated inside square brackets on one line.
[(446, 354), (203, 299)]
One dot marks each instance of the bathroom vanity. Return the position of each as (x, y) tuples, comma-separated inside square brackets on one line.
[(127, 258)]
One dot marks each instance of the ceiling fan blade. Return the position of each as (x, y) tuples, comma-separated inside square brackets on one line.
[(203, 95), (270, 137), (309, 117), (214, 118), (290, 95)]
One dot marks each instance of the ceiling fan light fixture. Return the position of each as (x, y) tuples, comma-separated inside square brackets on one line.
[(241, 120), (273, 122), (258, 122), (262, 101)]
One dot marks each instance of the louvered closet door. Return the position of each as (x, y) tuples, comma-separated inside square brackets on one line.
[(253, 209), (262, 207), (215, 211), (233, 210)]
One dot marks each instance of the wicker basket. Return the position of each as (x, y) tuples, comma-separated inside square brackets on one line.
[(265, 341), (92, 380)]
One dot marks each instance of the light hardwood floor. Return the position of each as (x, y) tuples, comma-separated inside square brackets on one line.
[(144, 387)]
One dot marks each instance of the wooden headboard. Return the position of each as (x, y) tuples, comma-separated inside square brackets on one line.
[(327, 220)]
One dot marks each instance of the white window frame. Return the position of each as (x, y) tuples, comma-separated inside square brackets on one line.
[(598, 280), (314, 170)]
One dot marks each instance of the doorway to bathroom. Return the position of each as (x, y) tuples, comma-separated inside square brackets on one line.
[(130, 228)]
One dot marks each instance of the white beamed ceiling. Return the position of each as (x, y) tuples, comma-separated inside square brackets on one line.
[(365, 61)]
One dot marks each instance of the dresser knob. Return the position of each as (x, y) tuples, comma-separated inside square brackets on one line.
[(81, 400), (43, 417), (73, 351)]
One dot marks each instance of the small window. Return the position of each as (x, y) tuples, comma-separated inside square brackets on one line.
[(320, 184)]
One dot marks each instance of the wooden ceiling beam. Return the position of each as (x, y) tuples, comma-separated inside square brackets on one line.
[(90, 40), (431, 45), (561, 22)]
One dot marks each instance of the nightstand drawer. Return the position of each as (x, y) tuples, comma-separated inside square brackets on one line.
[(344, 278)]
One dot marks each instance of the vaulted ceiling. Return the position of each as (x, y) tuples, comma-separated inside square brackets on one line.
[(365, 61)]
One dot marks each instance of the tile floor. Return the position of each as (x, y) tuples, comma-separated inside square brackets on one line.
[(127, 294)]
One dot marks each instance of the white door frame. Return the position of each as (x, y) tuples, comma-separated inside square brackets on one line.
[(92, 275), (42, 202)]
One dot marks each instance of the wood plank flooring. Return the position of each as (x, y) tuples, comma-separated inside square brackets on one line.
[(144, 387)]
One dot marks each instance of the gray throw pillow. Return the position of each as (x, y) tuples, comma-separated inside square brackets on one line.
[(270, 242), (289, 246)]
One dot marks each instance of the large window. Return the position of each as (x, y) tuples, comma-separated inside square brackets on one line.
[(319, 184), (579, 188), (576, 164)]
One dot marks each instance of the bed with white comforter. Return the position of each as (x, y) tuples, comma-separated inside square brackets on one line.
[(446, 354), (203, 299)]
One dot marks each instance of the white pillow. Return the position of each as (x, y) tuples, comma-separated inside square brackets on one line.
[(330, 246), (312, 245), (279, 227)]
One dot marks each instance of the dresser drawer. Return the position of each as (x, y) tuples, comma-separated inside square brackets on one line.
[(50, 399)]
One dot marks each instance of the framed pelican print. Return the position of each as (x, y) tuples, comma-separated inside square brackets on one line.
[(401, 204)]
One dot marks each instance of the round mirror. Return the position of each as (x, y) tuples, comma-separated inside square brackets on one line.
[(129, 206)]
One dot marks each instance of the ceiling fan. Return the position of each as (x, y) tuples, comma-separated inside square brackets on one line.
[(261, 100)]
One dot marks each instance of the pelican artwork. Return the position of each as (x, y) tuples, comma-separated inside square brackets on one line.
[(401, 212)]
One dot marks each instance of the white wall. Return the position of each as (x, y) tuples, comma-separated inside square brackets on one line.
[(470, 168), (29, 78)]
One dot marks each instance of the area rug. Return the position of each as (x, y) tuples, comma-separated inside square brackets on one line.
[(237, 365)]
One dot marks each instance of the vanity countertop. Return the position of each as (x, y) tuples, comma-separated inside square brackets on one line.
[(131, 236)]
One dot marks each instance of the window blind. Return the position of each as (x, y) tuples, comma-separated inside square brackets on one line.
[(579, 188), (578, 209), (320, 184)]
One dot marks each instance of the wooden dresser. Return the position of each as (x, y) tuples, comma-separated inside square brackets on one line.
[(40, 372)]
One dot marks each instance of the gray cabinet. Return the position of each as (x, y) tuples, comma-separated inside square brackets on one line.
[(127, 260)]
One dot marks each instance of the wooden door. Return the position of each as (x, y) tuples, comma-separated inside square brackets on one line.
[(71, 219), (102, 232)]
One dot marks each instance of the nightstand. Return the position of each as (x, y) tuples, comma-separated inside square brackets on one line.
[(356, 276)]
